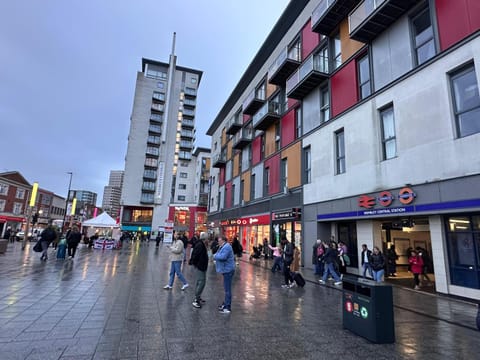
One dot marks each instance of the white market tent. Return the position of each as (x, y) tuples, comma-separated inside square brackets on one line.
[(101, 221)]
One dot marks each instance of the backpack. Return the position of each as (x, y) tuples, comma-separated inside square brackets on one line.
[(346, 258)]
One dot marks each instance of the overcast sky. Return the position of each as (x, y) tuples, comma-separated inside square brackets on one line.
[(68, 69)]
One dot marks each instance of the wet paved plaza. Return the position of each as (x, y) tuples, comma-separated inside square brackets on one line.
[(112, 305)]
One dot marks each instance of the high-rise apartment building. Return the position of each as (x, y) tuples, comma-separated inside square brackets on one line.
[(160, 165), (359, 121), (112, 193)]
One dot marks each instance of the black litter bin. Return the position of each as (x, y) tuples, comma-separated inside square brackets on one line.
[(368, 309)]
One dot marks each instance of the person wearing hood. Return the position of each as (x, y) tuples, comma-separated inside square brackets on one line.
[(199, 259)]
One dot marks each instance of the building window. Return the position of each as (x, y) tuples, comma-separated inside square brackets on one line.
[(307, 165), (277, 136), (17, 208), (266, 182), (364, 83), (148, 185), (183, 175), (242, 190), (336, 51), (340, 151), (151, 162), (181, 197), (389, 141), (324, 104), (182, 186), (294, 50), (321, 60), (284, 175), (3, 189), (161, 85), (466, 101), (2, 205), (252, 187), (260, 91), (20, 194), (193, 80), (423, 40), (233, 194), (298, 122)]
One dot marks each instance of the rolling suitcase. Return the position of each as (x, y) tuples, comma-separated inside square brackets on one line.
[(298, 278)]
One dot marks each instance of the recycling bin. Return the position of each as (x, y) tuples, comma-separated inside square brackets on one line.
[(368, 309)]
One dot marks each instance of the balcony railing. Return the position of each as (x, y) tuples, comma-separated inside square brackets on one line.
[(156, 117), (188, 123), (329, 13), (267, 115), (158, 107), (189, 103), (313, 71), (234, 124), (186, 134), (218, 160), (158, 96), (371, 17), (243, 138), (155, 129), (284, 65), (253, 101), (186, 145)]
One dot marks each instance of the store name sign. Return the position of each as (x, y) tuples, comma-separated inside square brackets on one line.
[(385, 198), (254, 220), (294, 213)]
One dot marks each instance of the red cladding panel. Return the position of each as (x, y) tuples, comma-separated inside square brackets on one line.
[(309, 40), (221, 177), (453, 21), (274, 164), (228, 195), (288, 128), (256, 150), (474, 13), (344, 88), (246, 118)]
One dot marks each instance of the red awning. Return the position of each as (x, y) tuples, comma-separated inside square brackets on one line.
[(4, 218)]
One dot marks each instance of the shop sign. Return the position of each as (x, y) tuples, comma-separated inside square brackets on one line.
[(253, 220), (292, 214), (385, 198)]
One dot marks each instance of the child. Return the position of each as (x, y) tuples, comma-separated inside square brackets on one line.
[(416, 264)]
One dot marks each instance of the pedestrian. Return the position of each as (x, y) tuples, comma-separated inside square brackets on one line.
[(416, 265), (176, 256), (342, 258), (47, 237), (317, 257), (392, 258), (184, 239), (266, 251), (277, 258), (287, 252), (199, 259), (331, 256), (8, 234), (237, 248), (425, 279), (378, 264), (73, 240), (159, 238), (366, 261), (225, 265)]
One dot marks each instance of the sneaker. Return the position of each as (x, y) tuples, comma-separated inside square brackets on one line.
[(184, 286), (417, 287), (220, 307), (225, 311), (321, 281), (196, 304), (337, 283), (291, 285), (285, 286), (167, 287)]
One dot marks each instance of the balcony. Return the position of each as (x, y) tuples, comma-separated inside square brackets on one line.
[(155, 129), (329, 13), (191, 92), (158, 96), (203, 199), (186, 134), (243, 138), (218, 160), (253, 102), (267, 115), (147, 198), (187, 113), (188, 123), (186, 145), (285, 64), (311, 74), (158, 118), (185, 155), (234, 124), (371, 17), (189, 103), (158, 107)]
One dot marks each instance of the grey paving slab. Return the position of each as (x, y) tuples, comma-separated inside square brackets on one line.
[(112, 305)]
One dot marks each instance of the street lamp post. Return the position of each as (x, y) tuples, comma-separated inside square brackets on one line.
[(66, 201)]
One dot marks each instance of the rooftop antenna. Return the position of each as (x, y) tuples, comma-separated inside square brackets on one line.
[(173, 43)]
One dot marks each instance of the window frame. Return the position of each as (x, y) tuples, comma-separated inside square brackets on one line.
[(360, 59), (413, 30), (340, 158), (307, 165), (381, 112), (324, 107)]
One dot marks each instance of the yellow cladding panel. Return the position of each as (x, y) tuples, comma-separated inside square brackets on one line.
[(236, 160), (224, 136), (246, 186), (269, 141), (294, 164), (349, 46), (229, 150), (271, 89)]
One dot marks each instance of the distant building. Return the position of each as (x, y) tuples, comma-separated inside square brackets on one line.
[(14, 196), (159, 164), (85, 206), (112, 193)]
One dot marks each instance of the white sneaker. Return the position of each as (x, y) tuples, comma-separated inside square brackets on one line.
[(184, 286), (337, 283), (167, 287), (321, 281)]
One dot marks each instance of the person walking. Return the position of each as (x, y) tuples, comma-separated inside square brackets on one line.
[(416, 265), (287, 262), (176, 257), (378, 264), (331, 255), (366, 261), (199, 259), (225, 265), (392, 258), (277, 258), (237, 248), (47, 236), (318, 253), (73, 239)]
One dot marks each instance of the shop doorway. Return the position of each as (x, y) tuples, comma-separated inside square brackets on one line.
[(399, 238)]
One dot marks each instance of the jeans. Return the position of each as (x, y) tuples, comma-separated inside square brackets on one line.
[(286, 272), (319, 268), (227, 285), (367, 267), (175, 268), (45, 245), (277, 263), (378, 275), (331, 269), (201, 277)]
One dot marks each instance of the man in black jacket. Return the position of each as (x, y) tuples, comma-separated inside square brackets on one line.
[(199, 259), (287, 251), (367, 261)]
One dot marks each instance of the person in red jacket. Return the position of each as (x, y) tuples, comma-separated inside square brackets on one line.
[(416, 265)]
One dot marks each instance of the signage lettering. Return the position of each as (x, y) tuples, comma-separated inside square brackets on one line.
[(386, 198)]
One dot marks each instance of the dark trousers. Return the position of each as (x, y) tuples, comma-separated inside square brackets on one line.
[(286, 272), (72, 249)]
